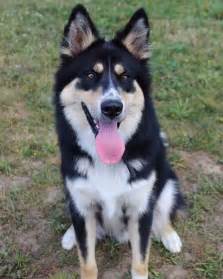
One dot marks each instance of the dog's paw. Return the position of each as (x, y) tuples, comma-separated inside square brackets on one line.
[(69, 240), (137, 276), (164, 139), (172, 242)]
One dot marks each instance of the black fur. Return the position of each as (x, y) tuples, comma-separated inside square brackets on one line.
[(145, 225), (80, 229)]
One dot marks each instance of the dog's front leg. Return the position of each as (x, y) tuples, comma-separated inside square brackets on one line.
[(85, 229), (139, 234)]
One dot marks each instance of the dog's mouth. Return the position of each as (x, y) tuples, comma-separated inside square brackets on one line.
[(91, 121), (109, 143)]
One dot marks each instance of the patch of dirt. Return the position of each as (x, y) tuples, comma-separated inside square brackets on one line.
[(113, 266), (55, 160), (174, 272), (201, 161), (29, 166), (7, 183), (213, 224), (111, 274), (124, 264), (220, 248), (2, 249), (31, 240), (53, 194), (35, 164), (16, 112), (193, 245), (28, 241), (188, 257), (189, 36), (196, 163)]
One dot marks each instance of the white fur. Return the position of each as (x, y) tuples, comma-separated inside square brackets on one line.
[(164, 138), (85, 137), (108, 185), (82, 165), (163, 208), (136, 276), (172, 242), (69, 239), (65, 51), (114, 227), (137, 164), (170, 239)]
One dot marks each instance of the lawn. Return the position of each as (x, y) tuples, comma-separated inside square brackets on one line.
[(187, 66)]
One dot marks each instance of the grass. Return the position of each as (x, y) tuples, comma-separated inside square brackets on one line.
[(187, 66)]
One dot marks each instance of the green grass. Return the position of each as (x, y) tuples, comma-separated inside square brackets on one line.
[(211, 268), (187, 66), (63, 275)]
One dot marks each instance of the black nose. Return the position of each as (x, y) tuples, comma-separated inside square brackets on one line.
[(111, 108)]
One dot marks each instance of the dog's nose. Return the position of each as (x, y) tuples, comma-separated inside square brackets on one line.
[(111, 108)]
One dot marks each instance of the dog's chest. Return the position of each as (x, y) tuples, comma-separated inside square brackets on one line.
[(108, 186)]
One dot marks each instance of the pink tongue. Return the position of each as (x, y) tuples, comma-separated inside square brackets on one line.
[(109, 145)]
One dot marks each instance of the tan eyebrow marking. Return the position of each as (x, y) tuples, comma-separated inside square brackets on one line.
[(119, 69), (98, 68), (65, 51)]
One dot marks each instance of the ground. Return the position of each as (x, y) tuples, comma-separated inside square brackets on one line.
[(187, 65)]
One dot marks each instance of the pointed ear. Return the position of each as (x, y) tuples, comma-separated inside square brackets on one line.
[(135, 35), (79, 33)]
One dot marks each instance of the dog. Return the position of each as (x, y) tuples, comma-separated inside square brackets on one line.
[(118, 181)]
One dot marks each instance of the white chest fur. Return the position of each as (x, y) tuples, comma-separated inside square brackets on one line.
[(108, 186)]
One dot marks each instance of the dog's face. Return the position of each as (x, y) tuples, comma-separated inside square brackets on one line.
[(107, 76)]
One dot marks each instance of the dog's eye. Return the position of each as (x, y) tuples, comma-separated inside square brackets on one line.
[(124, 76), (91, 75)]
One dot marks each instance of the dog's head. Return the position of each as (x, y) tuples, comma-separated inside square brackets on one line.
[(106, 81)]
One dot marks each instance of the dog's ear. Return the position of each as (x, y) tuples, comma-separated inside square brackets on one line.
[(135, 35), (79, 33)]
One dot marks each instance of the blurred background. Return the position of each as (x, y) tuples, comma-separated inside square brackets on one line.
[(187, 66)]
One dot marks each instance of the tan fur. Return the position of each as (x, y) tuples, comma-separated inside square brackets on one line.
[(136, 41), (140, 268), (129, 43), (89, 267), (65, 51), (91, 238), (168, 229), (119, 69), (89, 272), (134, 104), (98, 68), (139, 265), (71, 96), (80, 35)]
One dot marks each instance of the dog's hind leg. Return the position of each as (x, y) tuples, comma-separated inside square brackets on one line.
[(162, 226)]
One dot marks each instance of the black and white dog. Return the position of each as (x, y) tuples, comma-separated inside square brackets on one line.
[(117, 178)]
